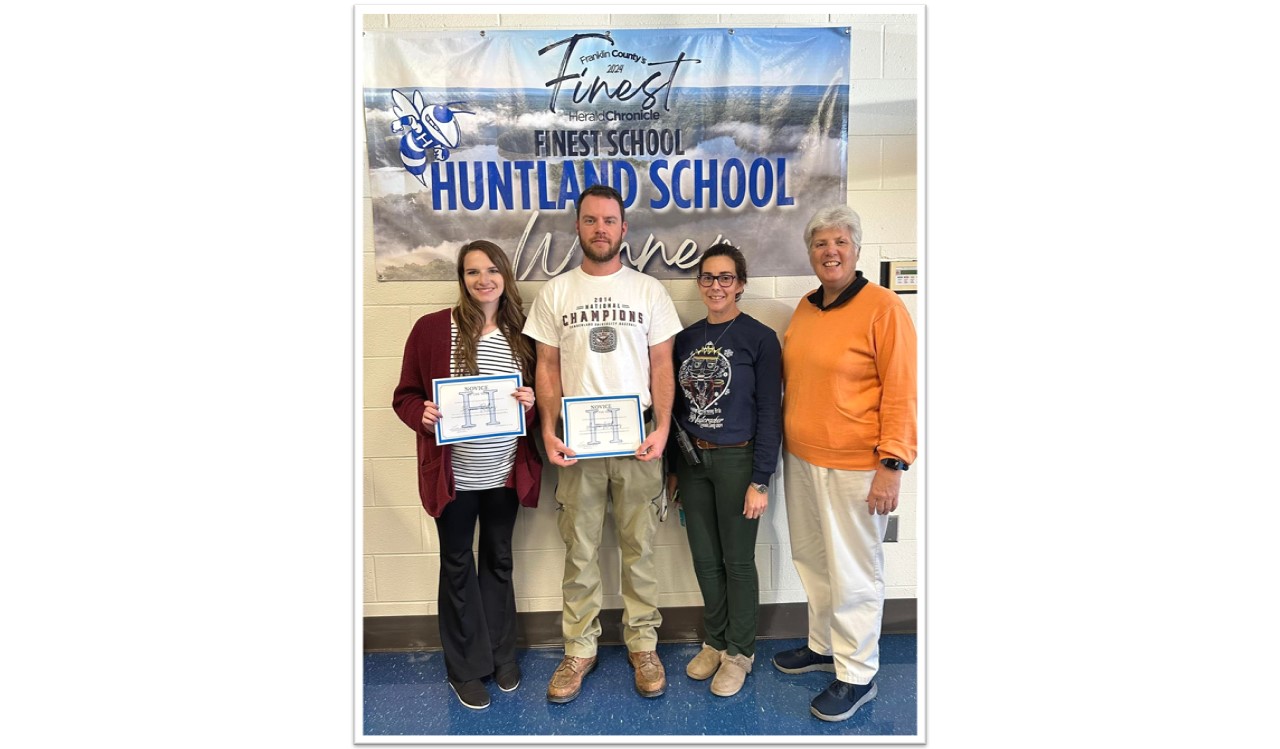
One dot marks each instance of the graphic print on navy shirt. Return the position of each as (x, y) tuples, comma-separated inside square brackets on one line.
[(704, 378)]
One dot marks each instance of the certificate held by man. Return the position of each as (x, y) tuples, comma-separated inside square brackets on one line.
[(478, 408), (603, 426)]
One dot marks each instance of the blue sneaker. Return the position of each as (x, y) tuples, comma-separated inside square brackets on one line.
[(802, 660), (841, 700)]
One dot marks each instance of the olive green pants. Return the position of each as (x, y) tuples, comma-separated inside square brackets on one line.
[(583, 492), (723, 544)]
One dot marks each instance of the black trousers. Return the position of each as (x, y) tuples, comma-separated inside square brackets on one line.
[(477, 608)]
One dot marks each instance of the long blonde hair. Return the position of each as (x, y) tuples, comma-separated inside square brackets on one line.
[(470, 317)]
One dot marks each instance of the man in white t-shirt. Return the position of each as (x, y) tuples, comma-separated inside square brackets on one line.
[(605, 329)]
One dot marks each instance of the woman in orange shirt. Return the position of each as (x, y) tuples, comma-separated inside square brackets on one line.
[(849, 431)]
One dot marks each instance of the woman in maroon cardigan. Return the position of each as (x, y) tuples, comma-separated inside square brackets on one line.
[(465, 482)]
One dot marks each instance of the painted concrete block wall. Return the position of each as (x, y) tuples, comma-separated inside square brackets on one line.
[(401, 560)]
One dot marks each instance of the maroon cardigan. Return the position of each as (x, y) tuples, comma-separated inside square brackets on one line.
[(427, 357)]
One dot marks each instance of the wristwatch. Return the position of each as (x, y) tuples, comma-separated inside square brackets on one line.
[(762, 488), (894, 464)]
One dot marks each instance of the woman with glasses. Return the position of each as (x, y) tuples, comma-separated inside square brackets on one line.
[(485, 480), (724, 450)]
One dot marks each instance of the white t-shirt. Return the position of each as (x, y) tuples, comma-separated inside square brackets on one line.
[(603, 326)]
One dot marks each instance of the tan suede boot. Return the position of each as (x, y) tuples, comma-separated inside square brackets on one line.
[(705, 663), (733, 671)]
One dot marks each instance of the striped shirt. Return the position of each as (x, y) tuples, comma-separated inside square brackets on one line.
[(485, 464)]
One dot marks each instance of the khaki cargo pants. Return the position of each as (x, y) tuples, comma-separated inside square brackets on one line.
[(583, 493)]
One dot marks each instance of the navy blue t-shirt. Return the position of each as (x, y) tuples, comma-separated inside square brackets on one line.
[(729, 387)]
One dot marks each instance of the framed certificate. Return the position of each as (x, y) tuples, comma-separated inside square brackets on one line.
[(478, 408), (604, 426)]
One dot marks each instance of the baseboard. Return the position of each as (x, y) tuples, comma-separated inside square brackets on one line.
[(541, 629)]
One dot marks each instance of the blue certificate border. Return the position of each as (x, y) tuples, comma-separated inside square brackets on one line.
[(435, 391), (564, 417)]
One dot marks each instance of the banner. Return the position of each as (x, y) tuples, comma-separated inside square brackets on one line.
[(710, 135)]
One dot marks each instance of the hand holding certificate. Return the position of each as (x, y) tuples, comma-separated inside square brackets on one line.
[(603, 426), (478, 408)]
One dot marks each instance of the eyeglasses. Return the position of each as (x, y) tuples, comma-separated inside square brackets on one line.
[(724, 279), (660, 506)]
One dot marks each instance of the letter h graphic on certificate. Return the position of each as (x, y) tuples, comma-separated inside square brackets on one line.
[(468, 408), (596, 425)]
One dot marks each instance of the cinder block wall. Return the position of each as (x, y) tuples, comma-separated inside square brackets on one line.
[(401, 554)]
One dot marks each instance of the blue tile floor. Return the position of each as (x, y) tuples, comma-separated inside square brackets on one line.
[(405, 694)]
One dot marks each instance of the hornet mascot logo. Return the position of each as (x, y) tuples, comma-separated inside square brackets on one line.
[(424, 127)]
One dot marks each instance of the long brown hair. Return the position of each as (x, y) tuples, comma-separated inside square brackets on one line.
[(470, 317)]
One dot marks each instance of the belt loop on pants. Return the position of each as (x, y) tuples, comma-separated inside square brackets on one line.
[(704, 445)]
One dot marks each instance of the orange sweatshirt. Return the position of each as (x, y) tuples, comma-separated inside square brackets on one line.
[(849, 381)]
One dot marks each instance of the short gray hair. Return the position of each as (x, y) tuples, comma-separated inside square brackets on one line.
[(835, 217)]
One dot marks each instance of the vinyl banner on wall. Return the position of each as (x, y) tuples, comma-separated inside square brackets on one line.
[(710, 135)]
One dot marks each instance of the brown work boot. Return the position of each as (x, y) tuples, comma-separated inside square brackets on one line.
[(566, 682), (651, 679)]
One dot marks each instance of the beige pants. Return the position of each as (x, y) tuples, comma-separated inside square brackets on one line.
[(838, 549), (583, 492)]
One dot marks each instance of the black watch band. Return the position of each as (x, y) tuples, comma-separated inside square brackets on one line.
[(894, 464)]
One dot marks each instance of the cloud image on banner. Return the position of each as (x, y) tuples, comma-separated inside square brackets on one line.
[(710, 135)]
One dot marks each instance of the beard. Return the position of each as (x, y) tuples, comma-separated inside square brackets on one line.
[(590, 252)]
